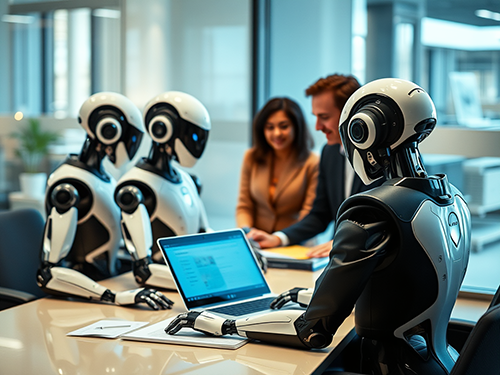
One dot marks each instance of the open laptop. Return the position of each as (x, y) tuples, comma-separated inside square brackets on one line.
[(217, 271)]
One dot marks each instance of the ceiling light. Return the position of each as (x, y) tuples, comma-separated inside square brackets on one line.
[(16, 18), (488, 14), (106, 13)]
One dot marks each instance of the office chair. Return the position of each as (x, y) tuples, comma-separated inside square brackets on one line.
[(21, 234), (479, 355)]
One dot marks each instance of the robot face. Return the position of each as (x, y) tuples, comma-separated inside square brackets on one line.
[(180, 121), (115, 123), (380, 117)]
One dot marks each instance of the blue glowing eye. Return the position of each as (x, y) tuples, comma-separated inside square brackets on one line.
[(195, 137), (134, 138)]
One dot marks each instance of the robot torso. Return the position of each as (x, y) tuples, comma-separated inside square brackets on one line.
[(415, 286), (174, 208), (98, 234)]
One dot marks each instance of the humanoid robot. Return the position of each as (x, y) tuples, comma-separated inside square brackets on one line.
[(156, 198), (399, 253), (82, 233)]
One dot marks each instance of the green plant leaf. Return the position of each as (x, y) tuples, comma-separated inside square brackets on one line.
[(33, 144)]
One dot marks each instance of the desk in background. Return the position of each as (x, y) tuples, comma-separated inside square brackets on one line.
[(33, 340)]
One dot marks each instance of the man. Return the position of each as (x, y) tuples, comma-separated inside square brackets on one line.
[(336, 180)]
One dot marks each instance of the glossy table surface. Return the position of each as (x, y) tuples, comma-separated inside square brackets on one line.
[(33, 340)]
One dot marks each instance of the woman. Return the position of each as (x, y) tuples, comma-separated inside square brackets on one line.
[(279, 173)]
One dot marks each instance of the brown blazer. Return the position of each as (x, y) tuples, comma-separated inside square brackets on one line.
[(293, 198)]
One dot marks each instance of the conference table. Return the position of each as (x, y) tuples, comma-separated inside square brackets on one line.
[(33, 340)]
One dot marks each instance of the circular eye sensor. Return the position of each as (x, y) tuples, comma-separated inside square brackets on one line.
[(362, 130), (358, 131), (160, 129), (108, 130)]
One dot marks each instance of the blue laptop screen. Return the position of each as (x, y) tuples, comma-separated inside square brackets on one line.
[(213, 267)]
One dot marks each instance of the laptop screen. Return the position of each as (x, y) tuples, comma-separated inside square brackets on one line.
[(213, 267)]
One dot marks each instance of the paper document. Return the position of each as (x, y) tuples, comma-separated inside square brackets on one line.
[(108, 328), (293, 257), (156, 333), (294, 252)]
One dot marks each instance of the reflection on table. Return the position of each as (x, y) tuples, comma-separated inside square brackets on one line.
[(33, 340)]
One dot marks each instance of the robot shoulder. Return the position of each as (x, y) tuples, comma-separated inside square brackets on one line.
[(399, 202)]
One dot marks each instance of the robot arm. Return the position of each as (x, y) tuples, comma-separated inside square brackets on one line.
[(59, 236), (277, 327), (137, 234), (60, 228), (66, 281), (357, 250)]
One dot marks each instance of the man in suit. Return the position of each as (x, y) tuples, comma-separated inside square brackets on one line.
[(336, 180)]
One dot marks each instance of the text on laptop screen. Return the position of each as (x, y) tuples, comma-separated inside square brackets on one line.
[(213, 267)]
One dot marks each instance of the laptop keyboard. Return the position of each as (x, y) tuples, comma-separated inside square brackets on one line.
[(244, 308)]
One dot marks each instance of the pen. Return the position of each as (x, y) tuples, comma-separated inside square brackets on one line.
[(113, 327)]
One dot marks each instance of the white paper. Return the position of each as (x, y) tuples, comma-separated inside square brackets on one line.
[(156, 333), (108, 328)]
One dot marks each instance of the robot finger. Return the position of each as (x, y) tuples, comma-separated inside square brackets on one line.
[(280, 301), (162, 300), (176, 324), (150, 302)]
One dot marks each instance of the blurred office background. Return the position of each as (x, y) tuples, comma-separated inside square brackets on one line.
[(234, 55)]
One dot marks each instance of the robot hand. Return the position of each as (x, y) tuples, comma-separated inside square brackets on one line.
[(300, 295), (204, 322), (156, 300)]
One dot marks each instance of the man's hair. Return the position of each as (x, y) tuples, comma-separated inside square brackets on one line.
[(342, 87)]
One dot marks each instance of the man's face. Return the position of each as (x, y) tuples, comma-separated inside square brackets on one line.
[(327, 116)]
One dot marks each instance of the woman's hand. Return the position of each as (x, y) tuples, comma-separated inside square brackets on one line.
[(321, 250)]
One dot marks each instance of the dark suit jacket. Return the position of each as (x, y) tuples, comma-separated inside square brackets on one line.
[(329, 196)]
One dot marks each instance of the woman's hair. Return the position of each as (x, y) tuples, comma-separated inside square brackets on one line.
[(342, 87), (302, 142)]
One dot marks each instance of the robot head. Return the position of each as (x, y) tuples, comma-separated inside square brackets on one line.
[(112, 121), (180, 121), (382, 117)]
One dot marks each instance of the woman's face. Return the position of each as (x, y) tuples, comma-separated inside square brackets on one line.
[(279, 131)]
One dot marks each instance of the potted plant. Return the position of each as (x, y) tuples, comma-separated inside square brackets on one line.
[(33, 147)]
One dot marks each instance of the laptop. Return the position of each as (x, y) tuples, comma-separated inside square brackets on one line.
[(217, 272)]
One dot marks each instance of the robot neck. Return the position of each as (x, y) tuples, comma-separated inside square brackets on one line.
[(92, 155), (160, 160), (406, 162)]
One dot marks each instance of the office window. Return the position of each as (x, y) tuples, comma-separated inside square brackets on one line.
[(27, 63), (55, 64), (72, 75), (404, 51)]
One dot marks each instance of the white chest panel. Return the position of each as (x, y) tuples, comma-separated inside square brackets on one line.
[(178, 206)]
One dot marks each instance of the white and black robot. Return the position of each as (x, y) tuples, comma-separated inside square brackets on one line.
[(157, 198), (82, 232), (399, 254)]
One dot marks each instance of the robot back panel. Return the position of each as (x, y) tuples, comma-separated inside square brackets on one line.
[(421, 275)]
